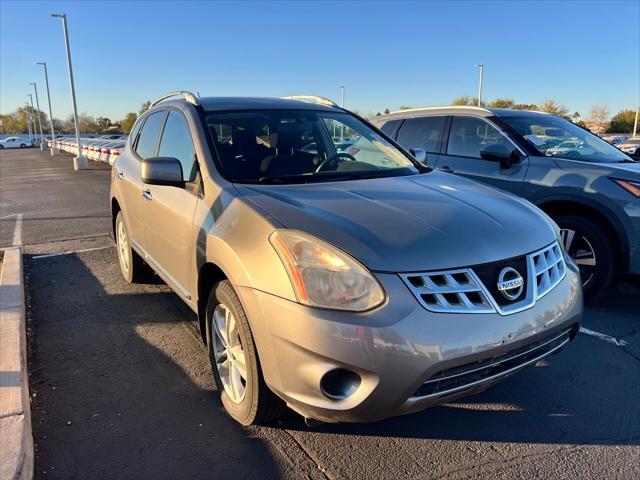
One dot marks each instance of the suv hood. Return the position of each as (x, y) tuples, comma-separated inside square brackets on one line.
[(413, 223)]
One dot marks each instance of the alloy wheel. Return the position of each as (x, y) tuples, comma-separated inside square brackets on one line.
[(581, 251), (123, 248), (228, 353)]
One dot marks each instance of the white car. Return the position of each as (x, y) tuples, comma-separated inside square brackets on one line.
[(15, 142), (631, 146)]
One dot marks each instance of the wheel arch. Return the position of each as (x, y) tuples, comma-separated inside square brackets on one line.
[(208, 275), (115, 209)]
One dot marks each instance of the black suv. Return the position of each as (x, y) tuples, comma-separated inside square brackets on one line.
[(590, 188)]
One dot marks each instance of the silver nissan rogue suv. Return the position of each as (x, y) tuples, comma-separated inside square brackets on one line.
[(349, 285)]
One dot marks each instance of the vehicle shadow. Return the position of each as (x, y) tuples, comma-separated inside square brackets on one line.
[(121, 387)]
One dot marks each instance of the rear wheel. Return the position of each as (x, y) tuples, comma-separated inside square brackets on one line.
[(591, 249), (22, 145), (234, 360), (133, 268)]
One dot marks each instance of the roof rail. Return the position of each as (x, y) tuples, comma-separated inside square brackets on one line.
[(312, 99), (188, 96)]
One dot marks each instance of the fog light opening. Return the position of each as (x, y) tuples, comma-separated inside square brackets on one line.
[(340, 383)]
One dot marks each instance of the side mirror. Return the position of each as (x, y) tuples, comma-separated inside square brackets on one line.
[(162, 171), (420, 154), (500, 153)]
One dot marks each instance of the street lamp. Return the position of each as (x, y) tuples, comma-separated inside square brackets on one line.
[(342, 124), (480, 86), (46, 81), (79, 162), (635, 124), (26, 110), (38, 114)]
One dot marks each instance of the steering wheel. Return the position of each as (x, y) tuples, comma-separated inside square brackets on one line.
[(333, 160)]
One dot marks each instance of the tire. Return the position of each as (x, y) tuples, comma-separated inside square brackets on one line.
[(133, 268), (22, 145), (589, 235), (251, 402), (1, 147)]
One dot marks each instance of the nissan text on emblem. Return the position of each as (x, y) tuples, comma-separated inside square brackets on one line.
[(510, 283)]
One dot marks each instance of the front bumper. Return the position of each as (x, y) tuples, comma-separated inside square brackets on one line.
[(396, 348)]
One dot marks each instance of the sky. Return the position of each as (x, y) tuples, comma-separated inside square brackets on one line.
[(386, 54)]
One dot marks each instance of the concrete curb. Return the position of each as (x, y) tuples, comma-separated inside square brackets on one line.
[(16, 438)]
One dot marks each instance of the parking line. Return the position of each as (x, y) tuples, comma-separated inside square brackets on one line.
[(17, 231), (49, 255), (602, 336)]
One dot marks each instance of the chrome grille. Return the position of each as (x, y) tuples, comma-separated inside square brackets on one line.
[(463, 291), (451, 291), (548, 268)]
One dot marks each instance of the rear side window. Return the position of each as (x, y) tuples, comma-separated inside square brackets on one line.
[(422, 132), (469, 136), (146, 146), (391, 127), (176, 142)]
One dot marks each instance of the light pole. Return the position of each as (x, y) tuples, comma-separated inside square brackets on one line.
[(35, 88), (342, 105), (35, 131), (26, 110), (635, 124), (46, 81), (79, 162), (480, 86)]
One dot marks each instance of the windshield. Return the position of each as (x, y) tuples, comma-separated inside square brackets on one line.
[(301, 146), (552, 136)]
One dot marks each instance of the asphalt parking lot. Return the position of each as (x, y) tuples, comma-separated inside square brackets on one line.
[(121, 386)]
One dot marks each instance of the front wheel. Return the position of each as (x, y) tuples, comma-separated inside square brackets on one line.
[(22, 145), (234, 360), (588, 244)]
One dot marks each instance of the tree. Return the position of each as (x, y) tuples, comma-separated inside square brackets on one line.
[(599, 118), (502, 103), (525, 106), (553, 106), (127, 123), (144, 107), (622, 122), (103, 123), (16, 121), (466, 101), (387, 111)]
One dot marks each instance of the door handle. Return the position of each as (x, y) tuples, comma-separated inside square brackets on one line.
[(147, 194), (446, 169), (120, 174)]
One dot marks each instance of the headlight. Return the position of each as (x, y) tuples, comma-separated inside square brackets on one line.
[(324, 276)]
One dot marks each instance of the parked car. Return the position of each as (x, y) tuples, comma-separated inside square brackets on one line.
[(631, 147), (15, 142), (589, 188), (348, 290)]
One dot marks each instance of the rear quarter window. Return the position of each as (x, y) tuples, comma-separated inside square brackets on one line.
[(391, 127)]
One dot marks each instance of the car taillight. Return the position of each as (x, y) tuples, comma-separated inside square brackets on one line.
[(105, 150), (116, 153), (352, 150)]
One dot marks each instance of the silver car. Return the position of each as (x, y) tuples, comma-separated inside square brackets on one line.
[(349, 288)]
